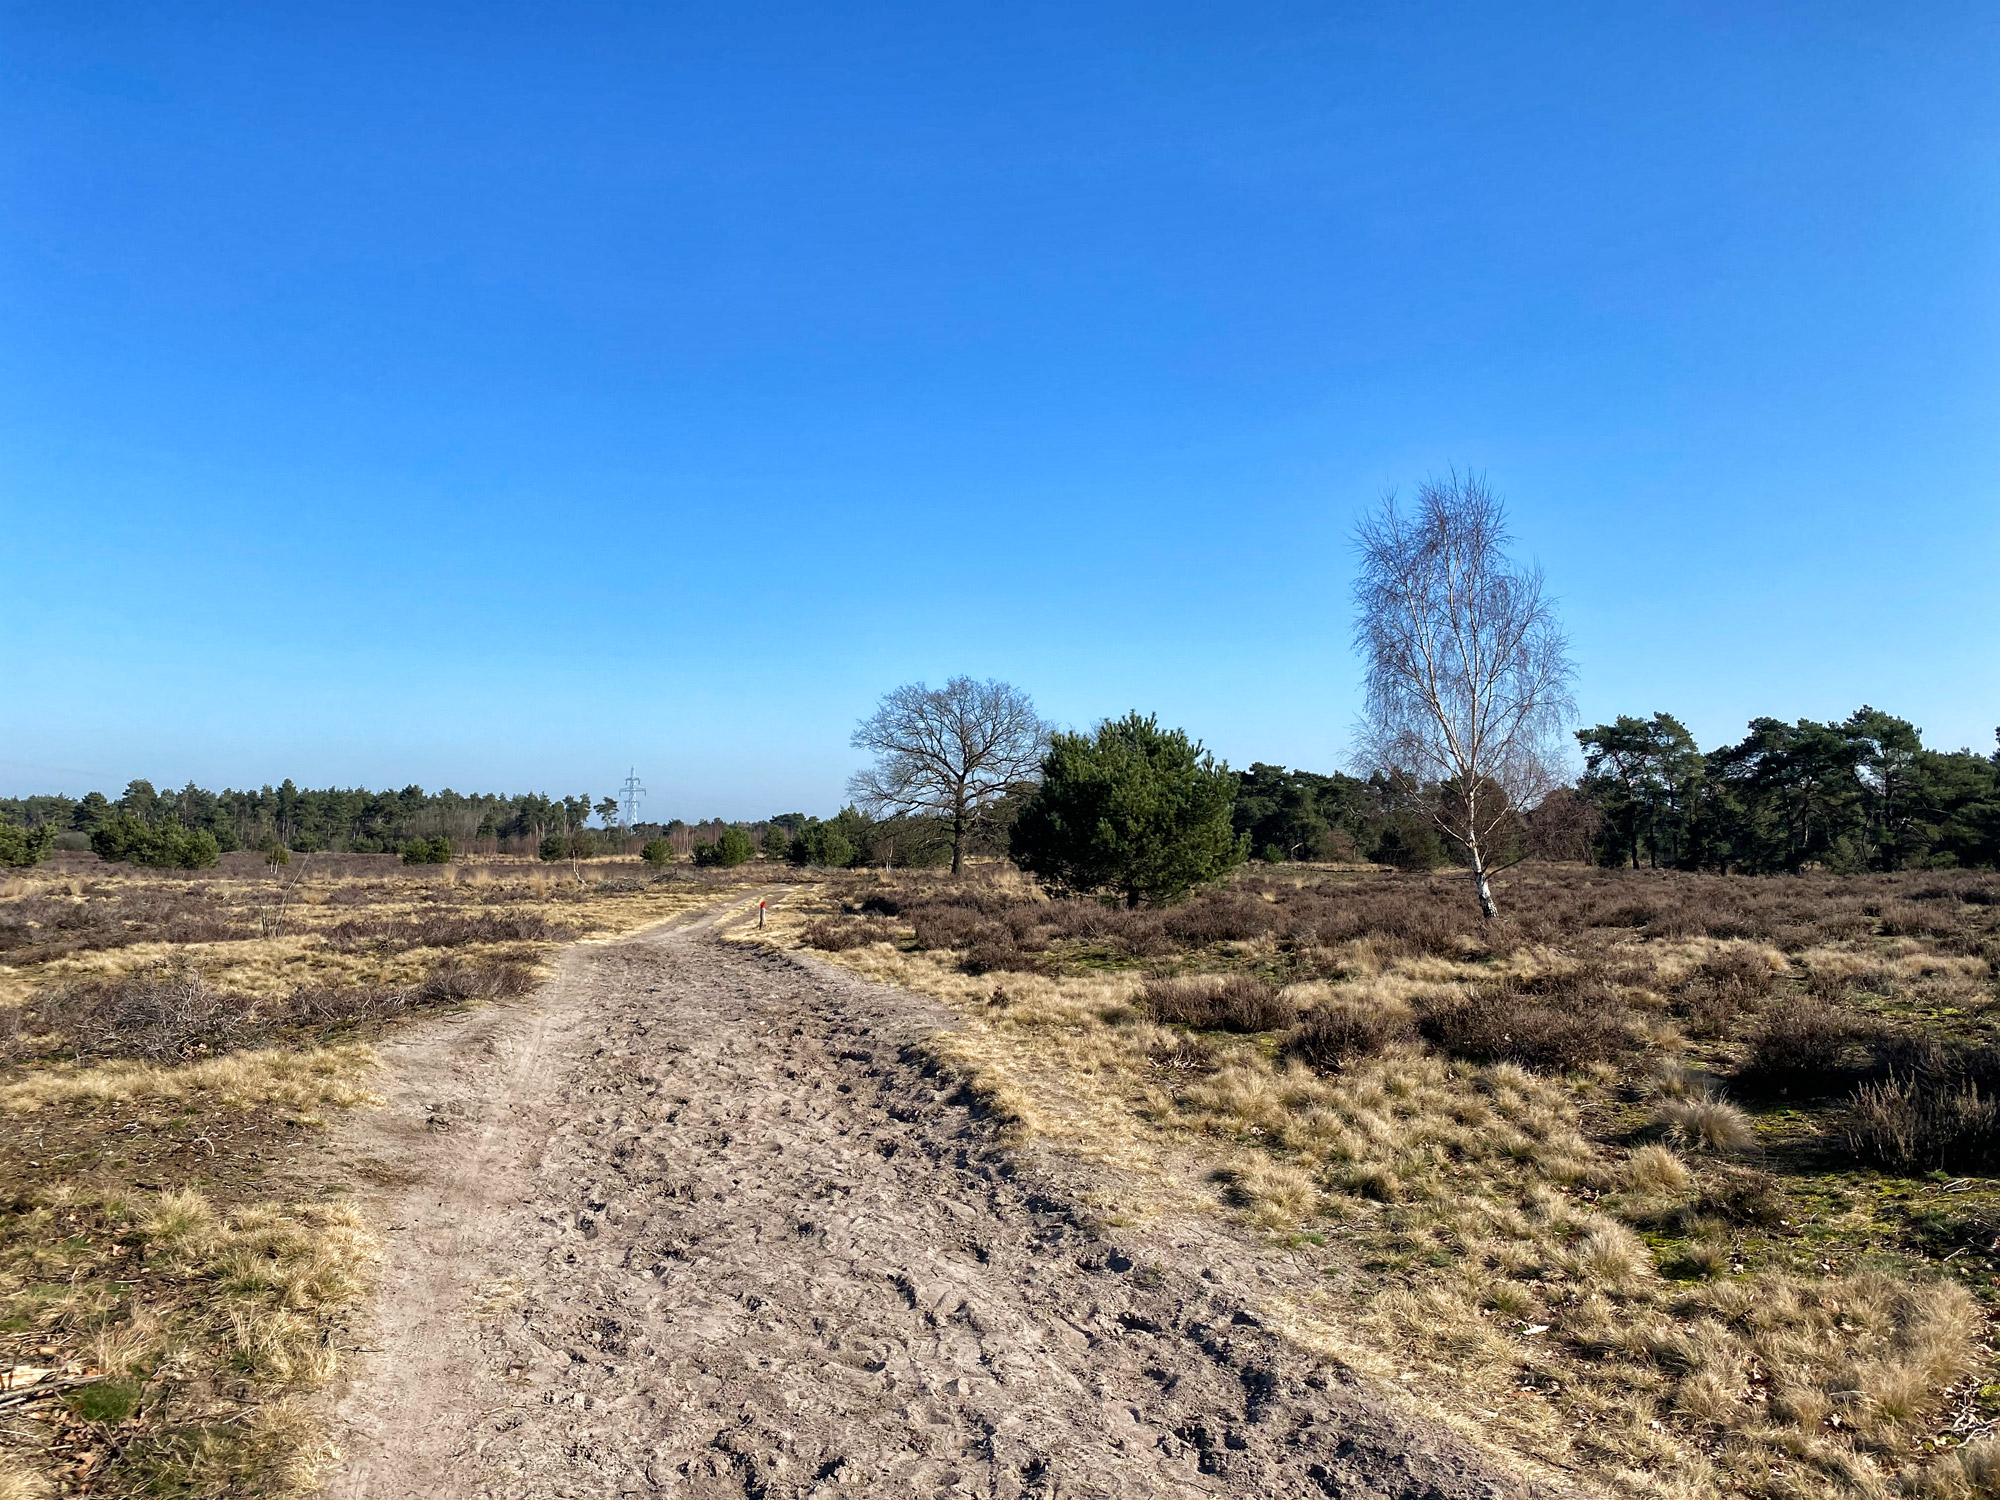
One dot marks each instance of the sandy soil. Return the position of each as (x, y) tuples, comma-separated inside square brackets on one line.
[(696, 1220)]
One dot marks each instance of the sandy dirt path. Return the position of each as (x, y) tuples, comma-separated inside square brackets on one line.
[(697, 1220)]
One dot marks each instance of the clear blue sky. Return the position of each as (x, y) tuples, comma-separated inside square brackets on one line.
[(502, 395)]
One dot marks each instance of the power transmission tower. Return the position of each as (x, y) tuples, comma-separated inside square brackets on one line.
[(630, 801)]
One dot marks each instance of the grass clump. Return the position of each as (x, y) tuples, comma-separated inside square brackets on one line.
[(1702, 1122), (196, 1316)]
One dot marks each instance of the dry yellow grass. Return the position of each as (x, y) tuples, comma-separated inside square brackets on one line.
[(300, 1080), (1479, 1249), (190, 1312)]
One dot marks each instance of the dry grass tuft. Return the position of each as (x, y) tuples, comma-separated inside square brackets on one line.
[(1701, 1122), (1656, 1171)]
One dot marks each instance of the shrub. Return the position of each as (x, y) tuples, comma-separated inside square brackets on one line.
[(1807, 1046), (1710, 1000), (577, 843), (126, 839), (820, 843), (435, 851), (1221, 917), (731, 849), (946, 926), (837, 937), (456, 931), (23, 848), (164, 1013), (1506, 1022), (168, 1013), (657, 852), (1409, 843), (453, 982), (1235, 1002), (1934, 1106), (1131, 808), (992, 951), (1334, 1031)]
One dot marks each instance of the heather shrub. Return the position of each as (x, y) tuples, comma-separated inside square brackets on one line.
[(1808, 1046), (1219, 917), (1334, 1031), (1507, 1022), (946, 926), (1932, 1106), (453, 930), (168, 1012), (831, 936), (1212, 1002), (165, 1012), (992, 951), (454, 982)]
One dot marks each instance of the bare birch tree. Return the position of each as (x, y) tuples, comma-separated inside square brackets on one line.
[(1468, 668), (948, 753)]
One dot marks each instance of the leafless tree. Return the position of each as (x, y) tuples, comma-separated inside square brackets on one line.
[(1468, 668), (948, 753)]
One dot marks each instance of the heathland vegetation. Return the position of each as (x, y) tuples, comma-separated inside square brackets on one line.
[(1641, 1120), (1687, 1185), (172, 1043)]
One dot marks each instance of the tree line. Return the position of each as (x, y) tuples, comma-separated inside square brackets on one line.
[(305, 820), (1467, 690), (1861, 793)]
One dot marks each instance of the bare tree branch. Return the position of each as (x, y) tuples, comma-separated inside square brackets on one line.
[(948, 752), (1468, 667)]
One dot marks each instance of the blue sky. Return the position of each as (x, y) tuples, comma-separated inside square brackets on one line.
[(499, 396)]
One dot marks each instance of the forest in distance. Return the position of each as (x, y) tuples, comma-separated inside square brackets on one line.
[(1847, 796)]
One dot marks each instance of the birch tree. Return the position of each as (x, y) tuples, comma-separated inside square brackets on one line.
[(1468, 668)]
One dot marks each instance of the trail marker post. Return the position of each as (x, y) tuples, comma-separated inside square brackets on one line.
[(760, 912)]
